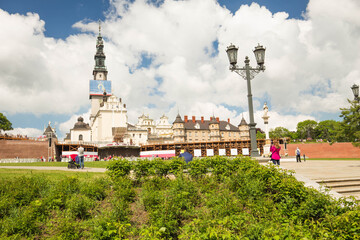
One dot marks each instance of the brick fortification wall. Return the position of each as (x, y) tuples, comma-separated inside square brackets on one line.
[(23, 149), (324, 150)]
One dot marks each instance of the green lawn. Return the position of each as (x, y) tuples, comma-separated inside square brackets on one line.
[(99, 164), (51, 174)]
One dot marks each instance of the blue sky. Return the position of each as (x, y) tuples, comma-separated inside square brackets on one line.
[(294, 89), (60, 15)]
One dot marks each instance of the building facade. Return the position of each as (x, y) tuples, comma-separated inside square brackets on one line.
[(214, 129)]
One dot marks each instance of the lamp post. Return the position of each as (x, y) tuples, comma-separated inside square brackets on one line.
[(248, 73), (355, 90)]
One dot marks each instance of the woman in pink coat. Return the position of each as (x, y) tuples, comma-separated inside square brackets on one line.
[(275, 153)]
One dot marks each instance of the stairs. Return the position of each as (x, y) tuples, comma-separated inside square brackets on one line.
[(346, 186)]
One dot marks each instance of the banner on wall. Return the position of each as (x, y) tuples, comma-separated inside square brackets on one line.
[(234, 152), (158, 153), (245, 152), (72, 154), (209, 152), (222, 152), (197, 152)]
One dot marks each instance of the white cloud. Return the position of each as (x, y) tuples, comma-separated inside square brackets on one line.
[(29, 132), (311, 63)]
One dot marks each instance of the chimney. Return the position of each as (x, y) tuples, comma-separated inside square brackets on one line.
[(186, 118), (228, 120), (202, 119), (210, 118), (124, 105), (217, 119), (193, 119)]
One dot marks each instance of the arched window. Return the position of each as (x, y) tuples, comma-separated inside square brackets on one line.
[(80, 137)]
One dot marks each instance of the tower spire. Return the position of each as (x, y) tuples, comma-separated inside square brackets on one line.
[(99, 27), (100, 71)]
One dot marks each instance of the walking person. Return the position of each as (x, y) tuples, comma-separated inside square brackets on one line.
[(186, 155), (81, 156), (298, 156), (275, 153)]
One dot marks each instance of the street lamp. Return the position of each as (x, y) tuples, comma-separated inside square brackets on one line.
[(248, 73), (355, 89)]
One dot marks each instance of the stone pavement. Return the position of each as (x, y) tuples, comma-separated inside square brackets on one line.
[(314, 171), (324, 169)]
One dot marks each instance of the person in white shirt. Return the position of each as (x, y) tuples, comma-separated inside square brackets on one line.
[(297, 153), (81, 156)]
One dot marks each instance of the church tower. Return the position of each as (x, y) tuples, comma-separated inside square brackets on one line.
[(99, 86), (100, 71)]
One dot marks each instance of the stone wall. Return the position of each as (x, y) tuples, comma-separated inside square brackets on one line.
[(323, 150), (23, 149)]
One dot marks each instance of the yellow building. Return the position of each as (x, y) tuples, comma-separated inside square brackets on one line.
[(201, 130)]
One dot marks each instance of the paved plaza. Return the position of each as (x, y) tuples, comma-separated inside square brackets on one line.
[(324, 169)]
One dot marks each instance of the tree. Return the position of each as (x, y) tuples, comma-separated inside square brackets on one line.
[(5, 124), (260, 135), (306, 129), (279, 132), (329, 130), (351, 121)]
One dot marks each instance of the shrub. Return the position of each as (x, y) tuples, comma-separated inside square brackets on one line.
[(21, 221), (143, 168), (78, 206), (95, 189), (120, 210), (69, 229), (197, 168), (119, 168), (177, 165), (161, 167)]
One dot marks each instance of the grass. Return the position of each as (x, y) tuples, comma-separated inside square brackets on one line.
[(98, 164), (51, 174)]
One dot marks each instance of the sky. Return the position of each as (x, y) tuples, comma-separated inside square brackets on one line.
[(167, 56)]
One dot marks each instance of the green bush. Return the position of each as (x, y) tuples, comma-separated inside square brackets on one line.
[(69, 229), (143, 168), (177, 165), (119, 168), (95, 189), (120, 210), (197, 168), (217, 198), (78, 206), (20, 222)]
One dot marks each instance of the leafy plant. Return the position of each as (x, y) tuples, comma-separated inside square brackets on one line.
[(119, 168)]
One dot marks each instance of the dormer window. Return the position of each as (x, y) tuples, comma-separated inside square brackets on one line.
[(197, 126), (227, 127)]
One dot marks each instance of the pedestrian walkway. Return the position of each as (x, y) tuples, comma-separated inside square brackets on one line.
[(316, 173), (324, 169), (86, 169)]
